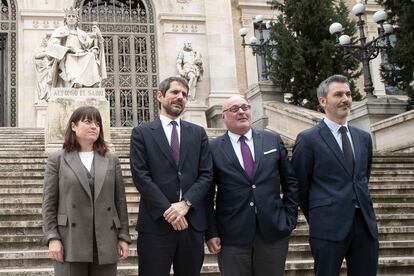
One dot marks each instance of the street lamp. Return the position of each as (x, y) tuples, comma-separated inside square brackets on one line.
[(259, 46), (365, 51)]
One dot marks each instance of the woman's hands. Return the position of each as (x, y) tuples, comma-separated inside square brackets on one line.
[(56, 250)]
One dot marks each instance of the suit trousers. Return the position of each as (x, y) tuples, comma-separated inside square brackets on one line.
[(359, 249), (259, 259), (183, 249)]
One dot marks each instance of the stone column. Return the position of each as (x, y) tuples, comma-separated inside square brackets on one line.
[(221, 56)]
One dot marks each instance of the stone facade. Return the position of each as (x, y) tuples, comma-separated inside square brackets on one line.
[(211, 25)]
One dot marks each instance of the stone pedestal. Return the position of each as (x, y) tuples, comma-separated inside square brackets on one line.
[(63, 102), (41, 114), (195, 112), (369, 111), (257, 95)]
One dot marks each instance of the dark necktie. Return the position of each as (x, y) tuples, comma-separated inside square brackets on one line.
[(247, 156), (175, 144), (347, 149)]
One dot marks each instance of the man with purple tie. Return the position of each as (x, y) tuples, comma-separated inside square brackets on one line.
[(172, 169), (250, 225)]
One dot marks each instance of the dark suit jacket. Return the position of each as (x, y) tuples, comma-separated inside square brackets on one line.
[(158, 179), (326, 187), (67, 208), (238, 198)]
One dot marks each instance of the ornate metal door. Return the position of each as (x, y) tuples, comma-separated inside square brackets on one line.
[(8, 63), (130, 50)]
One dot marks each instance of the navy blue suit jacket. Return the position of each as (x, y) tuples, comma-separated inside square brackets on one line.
[(238, 198), (159, 180), (326, 188)]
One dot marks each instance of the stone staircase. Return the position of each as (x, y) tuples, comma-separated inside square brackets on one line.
[(22, 163)]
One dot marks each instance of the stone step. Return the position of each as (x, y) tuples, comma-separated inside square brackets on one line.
[(396, 265), (392, 198), (22, 168), (398, 189), (14, 161), (386, 249), (123, 270)]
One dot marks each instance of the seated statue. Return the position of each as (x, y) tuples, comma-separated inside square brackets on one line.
[(79, 59), (190, 67)]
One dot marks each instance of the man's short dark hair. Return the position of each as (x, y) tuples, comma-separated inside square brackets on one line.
[(322, 90), (165, 84)]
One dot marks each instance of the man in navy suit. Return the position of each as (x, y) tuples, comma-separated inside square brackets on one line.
[(251, 224), (172, 169), (333, 162)]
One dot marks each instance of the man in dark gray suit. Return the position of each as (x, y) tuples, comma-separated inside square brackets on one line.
[(172, 169), (333, 163), (251, 223)]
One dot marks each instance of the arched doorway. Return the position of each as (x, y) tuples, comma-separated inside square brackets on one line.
[(8, 63), (129, 32)]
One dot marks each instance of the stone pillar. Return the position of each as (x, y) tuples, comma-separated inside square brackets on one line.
[(195, 112), (62, 103), (221, 52), (257, 95), (41, 114)]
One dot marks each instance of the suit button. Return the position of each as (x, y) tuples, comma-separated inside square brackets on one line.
[(73, 206), (73, 224), (112, 227), (252, 203), (109, 209), (179, 173), (254, 186)]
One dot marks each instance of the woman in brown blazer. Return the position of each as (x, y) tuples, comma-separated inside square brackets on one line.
[(85, 218)]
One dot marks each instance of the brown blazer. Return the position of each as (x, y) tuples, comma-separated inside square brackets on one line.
[(67, 207)]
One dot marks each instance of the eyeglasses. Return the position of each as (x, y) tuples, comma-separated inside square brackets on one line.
[(235, 108)]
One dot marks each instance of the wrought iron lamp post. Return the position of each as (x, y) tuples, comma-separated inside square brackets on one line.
[(259, 46), (366, 50)]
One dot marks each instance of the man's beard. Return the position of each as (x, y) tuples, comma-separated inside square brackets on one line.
[(170, 110)]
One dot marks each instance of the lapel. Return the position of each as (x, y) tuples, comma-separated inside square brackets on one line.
[(74, 162), (186, 134), (258, 150), (228, 150), (356, 143), (101, 166), (159, 137), (329, 139)]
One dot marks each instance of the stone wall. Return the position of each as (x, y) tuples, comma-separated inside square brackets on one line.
[(395, 134)]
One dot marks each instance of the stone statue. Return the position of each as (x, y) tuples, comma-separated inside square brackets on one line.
[(43, 65), (79, 59), (190, 67)]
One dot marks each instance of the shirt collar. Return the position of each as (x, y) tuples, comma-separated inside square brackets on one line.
[(334, 127), (165, 121), (235, 137)]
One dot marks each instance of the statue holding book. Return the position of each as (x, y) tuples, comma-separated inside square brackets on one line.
[(78, 57)]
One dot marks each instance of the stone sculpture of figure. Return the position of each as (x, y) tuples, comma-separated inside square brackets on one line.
[(43, 64), (190, 67), (79, 59)]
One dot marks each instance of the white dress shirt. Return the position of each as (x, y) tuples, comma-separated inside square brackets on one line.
[(334, 127), (234, 138), (167, 126)]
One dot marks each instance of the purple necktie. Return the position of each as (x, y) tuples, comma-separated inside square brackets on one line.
[(247, 156), (175, 144)]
